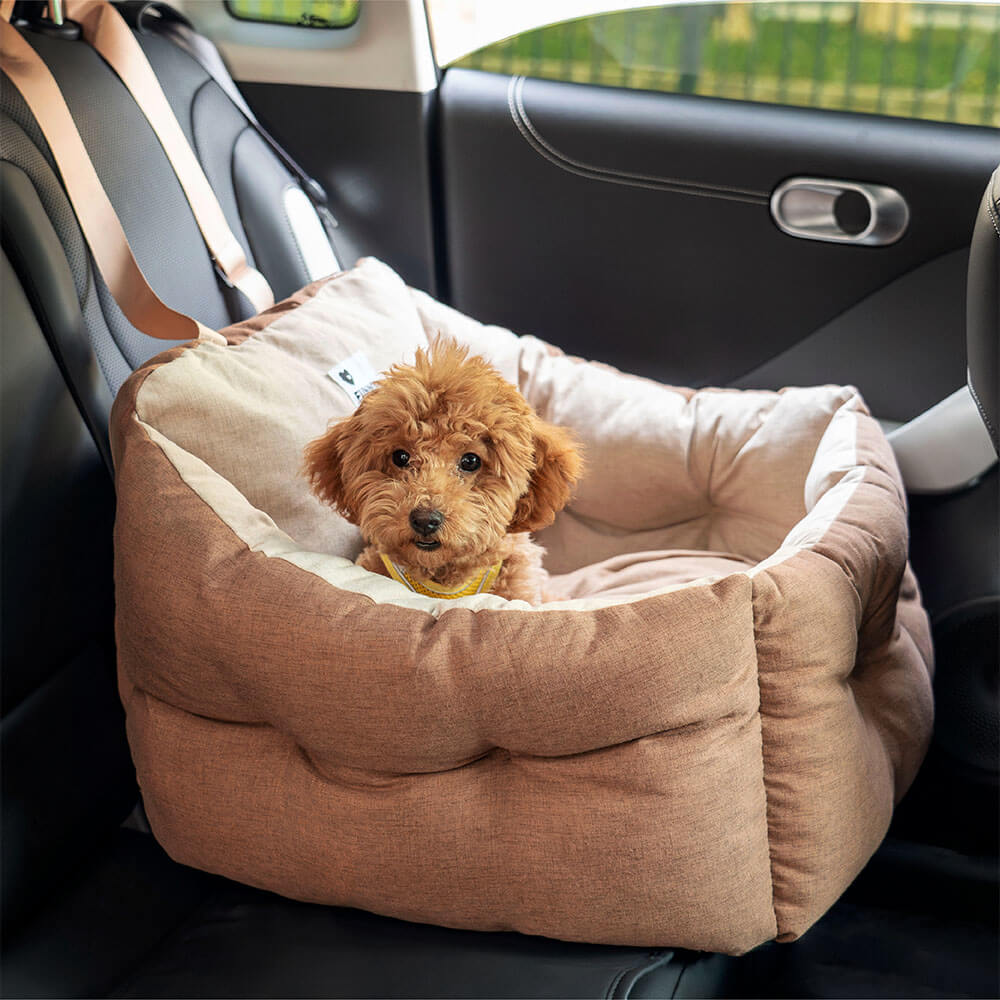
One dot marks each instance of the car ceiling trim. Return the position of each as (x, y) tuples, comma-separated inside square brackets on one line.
[(545, 149)]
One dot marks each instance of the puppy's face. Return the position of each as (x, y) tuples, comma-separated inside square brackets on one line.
[(441, 460)]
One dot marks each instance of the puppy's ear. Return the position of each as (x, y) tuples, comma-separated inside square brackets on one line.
[(558, 465), (323, 467)]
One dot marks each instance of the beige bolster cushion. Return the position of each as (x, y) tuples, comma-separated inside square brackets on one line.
[(698, 745)]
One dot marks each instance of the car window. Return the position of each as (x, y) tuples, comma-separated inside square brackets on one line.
[(937, 61), (304, 13)]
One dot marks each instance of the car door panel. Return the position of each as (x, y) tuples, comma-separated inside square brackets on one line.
[(901, 345), (635, 227), (370, 149)]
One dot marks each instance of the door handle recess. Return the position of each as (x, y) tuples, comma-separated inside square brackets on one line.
[(813, 208)]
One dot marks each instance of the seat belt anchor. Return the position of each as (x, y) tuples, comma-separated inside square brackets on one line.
[(221, 274), (314, 191)]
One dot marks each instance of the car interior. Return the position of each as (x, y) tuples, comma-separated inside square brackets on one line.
[(695, 240)]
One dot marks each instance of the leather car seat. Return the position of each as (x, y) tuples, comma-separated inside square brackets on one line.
[(983, 308)]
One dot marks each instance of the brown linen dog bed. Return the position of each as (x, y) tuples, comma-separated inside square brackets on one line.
[(699, 747)]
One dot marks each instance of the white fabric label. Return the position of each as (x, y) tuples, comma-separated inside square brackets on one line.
[(355, 375)]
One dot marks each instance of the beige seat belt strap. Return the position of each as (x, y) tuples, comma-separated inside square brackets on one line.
[(94, 211), (106, 31)]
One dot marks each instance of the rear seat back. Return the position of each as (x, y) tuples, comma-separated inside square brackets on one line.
[(247, 178), (67, 774)]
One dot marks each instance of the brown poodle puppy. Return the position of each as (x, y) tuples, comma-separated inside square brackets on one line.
[(445, 468)]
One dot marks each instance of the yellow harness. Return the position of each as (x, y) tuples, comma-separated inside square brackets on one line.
[(481, 584)]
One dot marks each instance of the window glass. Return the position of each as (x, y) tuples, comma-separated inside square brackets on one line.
[(304, 13), (922, 60)]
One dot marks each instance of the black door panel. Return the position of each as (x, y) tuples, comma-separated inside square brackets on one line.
[(634, 227), (915, 324), (369, 149)]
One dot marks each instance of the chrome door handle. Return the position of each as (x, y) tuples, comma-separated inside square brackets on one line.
[(814, 208)]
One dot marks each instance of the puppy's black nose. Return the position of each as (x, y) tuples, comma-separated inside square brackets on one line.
[(425, 521)]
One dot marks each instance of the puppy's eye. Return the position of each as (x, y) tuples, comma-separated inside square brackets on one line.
[(469, 462), (401, 458)]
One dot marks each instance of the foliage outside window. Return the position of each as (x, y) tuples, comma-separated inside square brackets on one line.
[(303, 13), (938, 61)]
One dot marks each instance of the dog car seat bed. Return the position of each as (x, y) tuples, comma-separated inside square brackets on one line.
[(698, 746)]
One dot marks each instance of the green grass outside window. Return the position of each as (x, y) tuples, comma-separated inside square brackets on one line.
[(937, 61), (303, 13)]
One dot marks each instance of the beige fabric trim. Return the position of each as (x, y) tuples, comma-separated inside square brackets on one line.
[(261, 534), (837, 452), (715, 442), (238, 332), (704, 471), (250, 408)]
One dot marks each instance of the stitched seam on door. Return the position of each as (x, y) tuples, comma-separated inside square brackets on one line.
[(655, 178), (531, 135)]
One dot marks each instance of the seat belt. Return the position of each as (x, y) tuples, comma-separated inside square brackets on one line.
[(98, 221), (151, 15), (106, 31)]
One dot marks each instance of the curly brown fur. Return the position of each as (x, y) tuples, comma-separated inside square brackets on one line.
[(446, 406)]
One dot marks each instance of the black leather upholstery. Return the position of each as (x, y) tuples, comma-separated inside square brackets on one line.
[(229, 950), (260, 183), (983, 311), (132, 923), (907, 319), (48, 282), (372, 150), (109, 914), (161, 228), (68, 779)]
